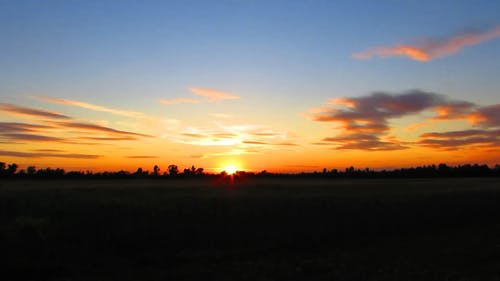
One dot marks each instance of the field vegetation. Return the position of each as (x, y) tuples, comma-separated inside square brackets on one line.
[(250, 228)]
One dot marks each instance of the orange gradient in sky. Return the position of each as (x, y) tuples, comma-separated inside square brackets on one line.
[(366, 132)]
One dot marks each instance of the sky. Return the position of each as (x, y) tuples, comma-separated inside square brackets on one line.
[(283, 86)]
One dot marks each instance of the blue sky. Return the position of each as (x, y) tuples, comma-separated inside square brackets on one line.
[(113, 47)]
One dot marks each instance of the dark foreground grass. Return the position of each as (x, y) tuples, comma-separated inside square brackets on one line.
[(266, 229)]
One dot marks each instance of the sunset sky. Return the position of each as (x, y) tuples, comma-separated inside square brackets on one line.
[(278, 85)]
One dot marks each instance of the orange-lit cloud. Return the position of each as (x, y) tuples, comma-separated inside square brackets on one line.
[(21, 127), (92, 107), (456, 139), (208, 94), (416, 126), (178, 100), (429, 49), (33, 112), (486, 116), (53, 129), (364, 121), (30, 137), (97, 128), (47, 154), (243, 139), (125, 138), (213, 95), (141, 157)]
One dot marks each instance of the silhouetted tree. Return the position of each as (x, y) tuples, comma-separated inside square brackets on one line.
[(173, 170), (139, 172), (199, 171), (156, 170), (2, 168), (11, 169), (31, 170)]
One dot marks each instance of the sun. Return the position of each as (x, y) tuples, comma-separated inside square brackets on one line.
[(230, 169)]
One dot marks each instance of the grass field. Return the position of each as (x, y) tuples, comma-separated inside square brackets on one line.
[(253, 229)]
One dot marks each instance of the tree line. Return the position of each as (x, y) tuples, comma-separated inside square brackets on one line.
[(172, 171)]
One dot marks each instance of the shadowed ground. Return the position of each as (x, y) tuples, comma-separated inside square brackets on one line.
[(259, 229)]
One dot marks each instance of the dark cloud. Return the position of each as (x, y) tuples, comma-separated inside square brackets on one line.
[(15, 109), (488, 116), (96, 128), (21, 127), (455, 139), (47, 154), (368, 142), (452, 110), (47, 150), (30, 137), (376, 108), (364, 121)]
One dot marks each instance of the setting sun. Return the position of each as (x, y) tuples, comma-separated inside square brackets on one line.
[(230, 169)]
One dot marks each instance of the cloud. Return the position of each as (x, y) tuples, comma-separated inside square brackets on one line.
[(213, 95), (97, 128), (31, 137), (429, 49), (92, 107), (364, 121), (23, 132), (210, 95), (21, 127), (141, 157), (256, 142), (21, 110), (364, 142), (453, 140), (241, 136), (454, 110), (178, 100), (486, 116), (47, 154), (126, 138), (47, 150)]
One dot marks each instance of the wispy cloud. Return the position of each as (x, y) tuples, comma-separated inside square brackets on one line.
[(208, 95), (47, 154), (21, 127), (97, 128), (31, 137), (429, 49), (141, 157), (125, 138), (243, 137), (28, 111), (213, 95), (94, 107), (456, 139), (47, 150), (178, 100)]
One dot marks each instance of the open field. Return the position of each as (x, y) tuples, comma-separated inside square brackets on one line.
[(254, 229)]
